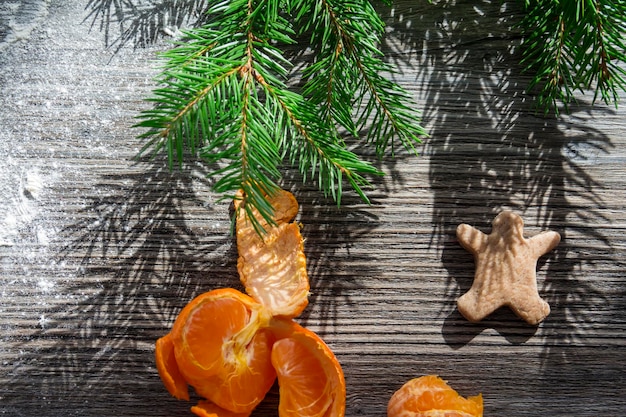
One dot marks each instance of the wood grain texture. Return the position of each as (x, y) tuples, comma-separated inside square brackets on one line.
[(99, 253)]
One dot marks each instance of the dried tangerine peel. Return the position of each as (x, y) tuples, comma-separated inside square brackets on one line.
[(310, 378), (272, 266), (430, 396), (220, 348)]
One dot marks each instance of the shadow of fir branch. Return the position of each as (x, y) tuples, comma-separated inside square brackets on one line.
[(139, 23), (146, 242), (490, 151)]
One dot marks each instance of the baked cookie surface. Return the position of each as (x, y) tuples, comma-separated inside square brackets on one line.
[(506, 264)]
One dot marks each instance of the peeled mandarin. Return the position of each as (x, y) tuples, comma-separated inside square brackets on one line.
[(231, 347), (220, 349), (430, 396)]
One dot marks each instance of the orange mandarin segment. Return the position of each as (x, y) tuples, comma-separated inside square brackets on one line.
[(310, 378), (245, 378), (208, 326), (430, 396), (168, 369), (208, 409), (204, 325)]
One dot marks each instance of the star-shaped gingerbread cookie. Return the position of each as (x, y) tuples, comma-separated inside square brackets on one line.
[(506, 264)]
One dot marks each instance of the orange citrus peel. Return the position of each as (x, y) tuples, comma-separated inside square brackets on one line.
[(272, 266)]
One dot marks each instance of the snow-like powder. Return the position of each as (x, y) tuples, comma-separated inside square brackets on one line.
[(19, 18)]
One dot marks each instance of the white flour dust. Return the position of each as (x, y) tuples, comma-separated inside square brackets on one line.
[(20, 193), (19, 18)]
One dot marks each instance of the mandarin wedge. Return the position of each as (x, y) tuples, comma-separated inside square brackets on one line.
[(272, 266), (168, 369), (310, 378), (430, 396), (218, 346)]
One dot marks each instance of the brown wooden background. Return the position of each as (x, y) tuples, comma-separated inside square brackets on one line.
[(99, 253)]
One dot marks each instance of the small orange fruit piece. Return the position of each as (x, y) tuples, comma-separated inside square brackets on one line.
[(246, 377), (208, 409), (309, 376), (430, 396), (272, 266), (220, 348), (168, 369)]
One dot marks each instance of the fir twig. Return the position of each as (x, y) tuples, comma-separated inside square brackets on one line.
[(224, 96), (575, 45)]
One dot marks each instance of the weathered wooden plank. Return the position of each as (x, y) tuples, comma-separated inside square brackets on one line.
[(99, 253)]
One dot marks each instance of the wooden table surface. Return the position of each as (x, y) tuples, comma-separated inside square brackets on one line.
[(99, 253)]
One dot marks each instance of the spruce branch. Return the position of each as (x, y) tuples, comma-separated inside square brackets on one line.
[(224, 91), (224, 96), (575, 45), (346, 34)]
